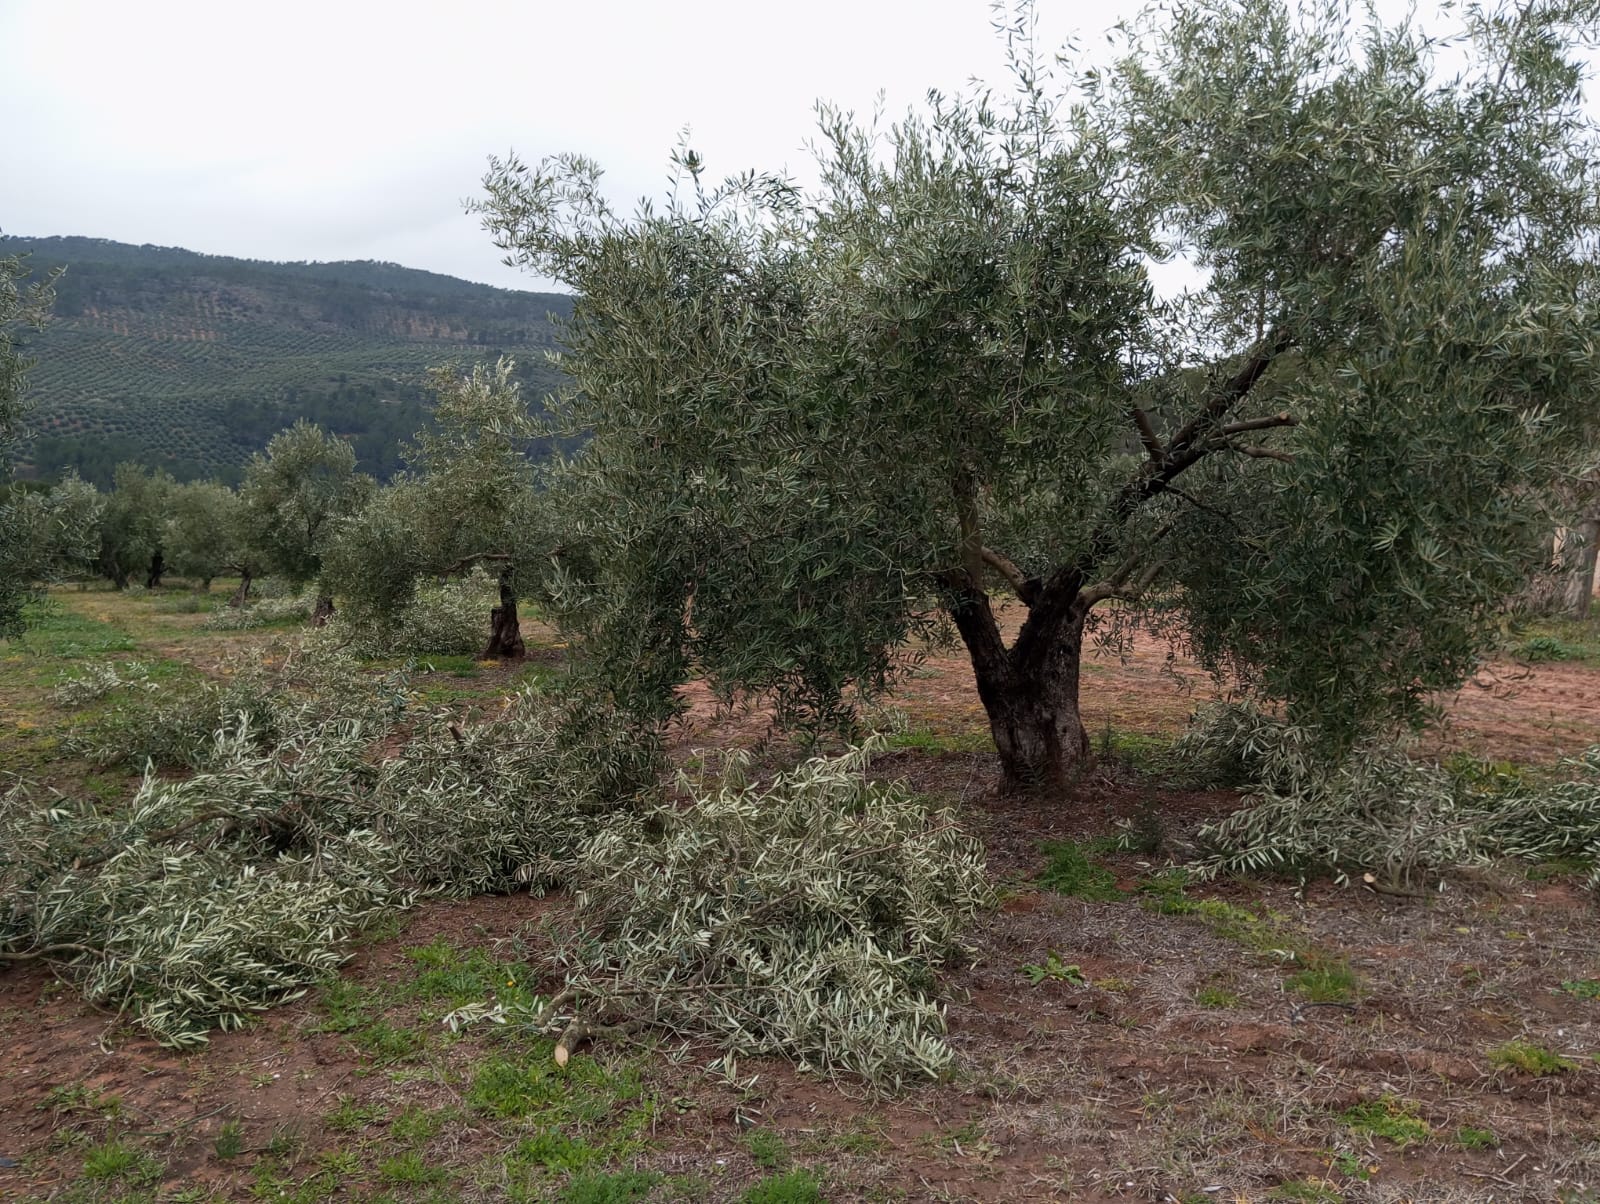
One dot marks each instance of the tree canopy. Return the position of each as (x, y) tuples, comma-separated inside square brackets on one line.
[(818, 422)]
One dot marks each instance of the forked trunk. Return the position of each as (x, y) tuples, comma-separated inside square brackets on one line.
[(242, 594), (323, 611), (505, 629), (1030, 692)]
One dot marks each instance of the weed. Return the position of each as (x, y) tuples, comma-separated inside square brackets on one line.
[(1070, 872), (768, 1149), (1217, 997), (416, 1126), (345, 1006), (1053, 970), (1331, 982), (554, 1150), (1583, 988), (382, 1042), (230, 1140), (350, 1116), (1391, 1118), (1476, 1139), (1530, 1059), (409, 1168), (595, 1188), (1310, 1190), (796, 1187), (115, 1159)]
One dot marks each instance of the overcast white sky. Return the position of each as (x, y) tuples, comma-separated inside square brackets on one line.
[(354, 130)]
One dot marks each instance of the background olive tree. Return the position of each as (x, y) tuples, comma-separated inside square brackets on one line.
[(469, 497), (292, 497), (205, 533), (945, 378), (133, 523)]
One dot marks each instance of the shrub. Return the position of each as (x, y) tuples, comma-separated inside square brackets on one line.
[(804, 917), (447, 618), (97, 681), (267, 610)]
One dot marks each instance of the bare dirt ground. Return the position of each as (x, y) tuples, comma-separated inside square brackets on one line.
[(1179, 1060)]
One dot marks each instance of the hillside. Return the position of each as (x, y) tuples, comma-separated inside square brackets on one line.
[(192, 362)]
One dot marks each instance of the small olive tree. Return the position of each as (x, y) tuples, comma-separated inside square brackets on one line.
[(204, 533), (816, 419), (469, 497), (292, 498)]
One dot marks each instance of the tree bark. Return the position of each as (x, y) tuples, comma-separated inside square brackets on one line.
[(241, 594), (323, 611), (1030, 690), (158, 565), (505, 630), (1580, 583)]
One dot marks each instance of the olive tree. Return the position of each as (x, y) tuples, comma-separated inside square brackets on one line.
[(58, 528), (819, 422), (292, 497), (469, 497), (22, 303), (205, 533), (133, 522)]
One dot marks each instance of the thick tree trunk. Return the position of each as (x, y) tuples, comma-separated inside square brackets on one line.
[(158, 565), (242, 594), (1030, 690), (1580, 582), (205, 585), (505, 630), (323, 611)]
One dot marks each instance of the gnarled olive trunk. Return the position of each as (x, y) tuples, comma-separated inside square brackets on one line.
[(1029, 690), (242, 594), (323, 611), (1580, 581), (505, 629), (158, 566)]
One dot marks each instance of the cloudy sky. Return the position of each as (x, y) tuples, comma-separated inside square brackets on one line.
[(353, 130), (349, 129)]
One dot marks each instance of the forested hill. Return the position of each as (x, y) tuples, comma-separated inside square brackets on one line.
[(191, 362)]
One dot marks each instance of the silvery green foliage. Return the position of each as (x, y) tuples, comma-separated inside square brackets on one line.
[(23, 302), (803, 917), (1402, 820), (204, 534), (133, 517), (57, 531), (264, 610), (811, 417), (202, 900), (442, 617), (94, 682)]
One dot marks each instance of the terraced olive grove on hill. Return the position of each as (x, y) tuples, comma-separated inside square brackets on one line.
[(192, 362)]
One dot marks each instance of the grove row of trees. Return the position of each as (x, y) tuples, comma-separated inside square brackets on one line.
[(941, 389)]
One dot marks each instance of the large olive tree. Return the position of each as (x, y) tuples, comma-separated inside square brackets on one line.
[(815, 419)]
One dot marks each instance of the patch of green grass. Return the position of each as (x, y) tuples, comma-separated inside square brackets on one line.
[(456, 666), (599, 1188), (115, 1159), (1530, 1059), (79, 1099), (1559, 867), (1070, 872), (345, 1006), (583, 1093), (350, 1116), (61, 633), (1326, 982), (417, 1126), (1582, 988), (795, 1187), (1390, 1118), (453, 977), (383, 1042), (1217, 997), (926, 740), (409, 1167), (1309, 1190), (554, 1150), (768, 1149), (1469, 1138)]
